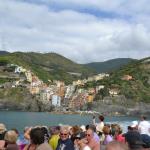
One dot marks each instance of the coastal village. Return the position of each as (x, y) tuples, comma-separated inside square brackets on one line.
[(56, 93)]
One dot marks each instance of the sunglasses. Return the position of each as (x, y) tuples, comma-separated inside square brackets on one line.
[(63, 134), (77, 138), (88, 134)]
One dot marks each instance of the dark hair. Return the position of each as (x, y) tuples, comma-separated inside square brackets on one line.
[(134, 139), (144, 117), (87, 126), (106, 130), (46, 133), (37, 136), (92, 127), (101, 118), (57, 128), (80, 135), (14, 129), (130, 128)]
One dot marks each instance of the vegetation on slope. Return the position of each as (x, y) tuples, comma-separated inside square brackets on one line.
[(137, 89), (110, 65), (47, 66)]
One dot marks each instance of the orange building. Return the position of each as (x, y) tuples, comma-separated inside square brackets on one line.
[(90, 98)]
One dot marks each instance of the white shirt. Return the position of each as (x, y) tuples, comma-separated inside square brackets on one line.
[(144, 127), (100, 126), (86, 148)]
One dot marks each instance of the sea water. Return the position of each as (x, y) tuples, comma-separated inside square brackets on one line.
[(19, 120)]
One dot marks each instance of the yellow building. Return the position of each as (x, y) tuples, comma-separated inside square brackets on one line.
[(90, 98)]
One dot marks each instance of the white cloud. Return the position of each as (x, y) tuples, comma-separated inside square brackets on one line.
[(82, 37)]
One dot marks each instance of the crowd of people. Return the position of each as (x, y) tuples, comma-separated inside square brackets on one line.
[(96, 136)]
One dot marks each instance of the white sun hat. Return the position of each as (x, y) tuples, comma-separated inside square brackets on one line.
[(134, 124)]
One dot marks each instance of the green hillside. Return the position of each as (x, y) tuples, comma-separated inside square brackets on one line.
[(3, 52), (47, 66), (110, 65), (137, 89)]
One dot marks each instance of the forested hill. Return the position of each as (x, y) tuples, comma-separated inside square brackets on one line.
[(132, 81), (3, 52), (48, 66), (138, 88), (56, 67), (110, 65)]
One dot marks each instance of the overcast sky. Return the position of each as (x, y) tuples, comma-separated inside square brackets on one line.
[(81, 30)]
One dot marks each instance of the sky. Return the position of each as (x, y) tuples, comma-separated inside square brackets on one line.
[(81, 30)]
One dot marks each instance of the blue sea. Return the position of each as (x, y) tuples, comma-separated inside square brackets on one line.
[(20, 120)]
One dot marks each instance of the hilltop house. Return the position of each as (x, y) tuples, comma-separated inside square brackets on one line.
[(100, 76), (19, 69), (78, 82), (114, 92), (127, 77), (99, 88)]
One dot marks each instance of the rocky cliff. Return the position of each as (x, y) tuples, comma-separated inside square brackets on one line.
[(21, 99), (121, 106)]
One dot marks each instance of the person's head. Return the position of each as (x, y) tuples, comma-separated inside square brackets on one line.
[(115, 129), (118, 130), (17, 132), (134, 140), (129, 128), (64, 133), (87, 126), (46, 132), (115, 145), (89, 134), (2, 131), (143, 118), (54, 130), (92, 127), (26, 129), (80, 139), (106, 130), (37, 136), (101, 118), (2, 128), (75, 129), (11, 137)]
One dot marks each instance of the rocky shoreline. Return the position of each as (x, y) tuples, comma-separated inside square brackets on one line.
[(111, 111), (107, 106)]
